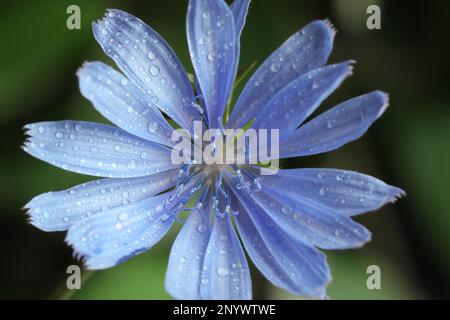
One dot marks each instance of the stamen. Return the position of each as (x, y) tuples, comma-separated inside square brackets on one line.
[(243, 176), (228, 208), (203, 196), (222, 193), (179, 206)]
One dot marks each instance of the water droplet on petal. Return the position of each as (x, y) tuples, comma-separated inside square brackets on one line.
[(123, 216), (222, 272), (152, 126), (275, 67), (119, 226), (286, 209), (154, 70)]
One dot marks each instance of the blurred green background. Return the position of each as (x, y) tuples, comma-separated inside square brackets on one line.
[(408, 147)]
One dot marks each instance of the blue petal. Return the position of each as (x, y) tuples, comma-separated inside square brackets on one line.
[(186, 258), (317, 226), (58, 211), (340, 125), (225, 274), (300, 98), (145, 57), (285, 261), (95, 149), (346, 192), (113, 236), (121, 102), (306, 50), (212, 45), (239, 8)]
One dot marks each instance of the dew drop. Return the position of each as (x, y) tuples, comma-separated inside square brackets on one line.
[(275, 67), (152, 126), (330, 124), (286, 209), (154, 70), (201, 228), (222, 272), (119, 226), (123, 216)]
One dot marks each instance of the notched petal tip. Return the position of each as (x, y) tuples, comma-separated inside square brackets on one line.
[(27, 130), (350, 66), (96, 25), (34, 220), (78, 255), (395, 194), (330, 25), (83, 67)]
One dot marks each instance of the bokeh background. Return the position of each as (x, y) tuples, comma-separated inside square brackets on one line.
[(409, 147)]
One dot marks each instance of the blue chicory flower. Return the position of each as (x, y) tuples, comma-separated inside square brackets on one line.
[(283, 219)]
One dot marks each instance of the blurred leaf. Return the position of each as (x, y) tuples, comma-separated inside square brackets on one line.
[(34, 63), (141, 277), (349, 272), (419, 141)]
